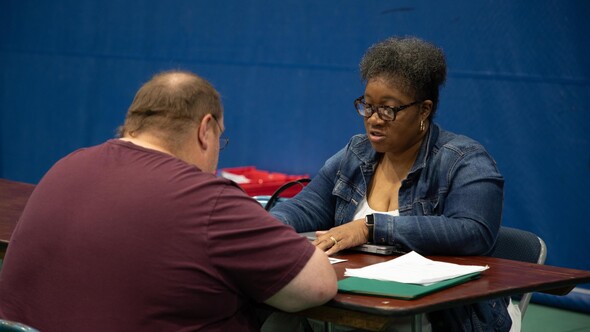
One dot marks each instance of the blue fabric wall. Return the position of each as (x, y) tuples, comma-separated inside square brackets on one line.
[(518, 75)]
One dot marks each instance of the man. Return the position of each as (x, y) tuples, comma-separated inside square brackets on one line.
[(138, 234)]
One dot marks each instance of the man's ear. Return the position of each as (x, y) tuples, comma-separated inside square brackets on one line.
[(204, 131)]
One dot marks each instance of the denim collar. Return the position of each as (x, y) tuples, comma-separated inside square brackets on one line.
[(428, 145)]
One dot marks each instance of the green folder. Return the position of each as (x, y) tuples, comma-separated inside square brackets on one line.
[(398, 290)]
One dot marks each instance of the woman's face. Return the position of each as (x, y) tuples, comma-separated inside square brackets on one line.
[(393, 136)]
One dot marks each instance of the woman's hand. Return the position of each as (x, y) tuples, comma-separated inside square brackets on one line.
[(344, 236)]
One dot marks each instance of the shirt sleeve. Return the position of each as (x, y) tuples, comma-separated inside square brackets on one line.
[(252, 249)]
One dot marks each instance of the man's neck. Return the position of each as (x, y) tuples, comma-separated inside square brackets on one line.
[(148, 142), (187, 152)]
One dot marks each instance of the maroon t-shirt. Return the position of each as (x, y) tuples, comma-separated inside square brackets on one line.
[(121, 238)]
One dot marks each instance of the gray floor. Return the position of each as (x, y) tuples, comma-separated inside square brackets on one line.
[(540, 318)]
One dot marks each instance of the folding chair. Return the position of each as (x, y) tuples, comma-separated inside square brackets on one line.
[(520, 245), (8, 326)]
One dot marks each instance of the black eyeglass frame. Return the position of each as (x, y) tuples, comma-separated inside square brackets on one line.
[(380, 109), (223, 141)]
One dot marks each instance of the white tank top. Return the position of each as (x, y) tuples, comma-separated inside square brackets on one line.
[(363, 209)]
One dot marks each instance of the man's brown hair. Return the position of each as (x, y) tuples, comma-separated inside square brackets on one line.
[(169, 104)]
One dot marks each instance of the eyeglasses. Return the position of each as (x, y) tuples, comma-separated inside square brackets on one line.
[(385, 113), (223, 141)]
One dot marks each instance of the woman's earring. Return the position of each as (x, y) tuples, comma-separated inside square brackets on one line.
[(422, 125)]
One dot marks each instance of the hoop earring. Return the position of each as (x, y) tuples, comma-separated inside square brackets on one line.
[(422, 125)]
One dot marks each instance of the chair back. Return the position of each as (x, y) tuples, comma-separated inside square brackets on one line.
[(8, 326), (520, 245)]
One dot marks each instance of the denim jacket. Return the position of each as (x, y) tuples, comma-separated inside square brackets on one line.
[(449, 204)]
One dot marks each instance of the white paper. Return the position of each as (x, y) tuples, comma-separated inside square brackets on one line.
[(336, 260), (412, 268), (235, 177)]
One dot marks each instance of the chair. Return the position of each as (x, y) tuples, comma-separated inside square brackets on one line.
[(520, 245), (8, 326), (276, 198), (269, 201)]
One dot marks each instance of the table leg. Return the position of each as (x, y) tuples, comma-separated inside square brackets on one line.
[(328, 327), (417, 323)]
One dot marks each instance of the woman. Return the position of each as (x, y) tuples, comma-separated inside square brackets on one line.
[(407, 182)]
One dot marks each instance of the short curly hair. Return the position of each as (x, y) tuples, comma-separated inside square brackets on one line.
[(417, 67)]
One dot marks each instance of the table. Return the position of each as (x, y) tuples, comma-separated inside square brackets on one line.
[(503, 278), (13, 197)]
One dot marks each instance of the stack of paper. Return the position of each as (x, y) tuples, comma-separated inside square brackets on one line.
[(412, 268)]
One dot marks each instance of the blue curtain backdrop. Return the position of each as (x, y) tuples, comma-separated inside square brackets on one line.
[(288, 72)]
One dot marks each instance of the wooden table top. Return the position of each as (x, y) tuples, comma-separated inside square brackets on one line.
[(13, 197), (503, 278)]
